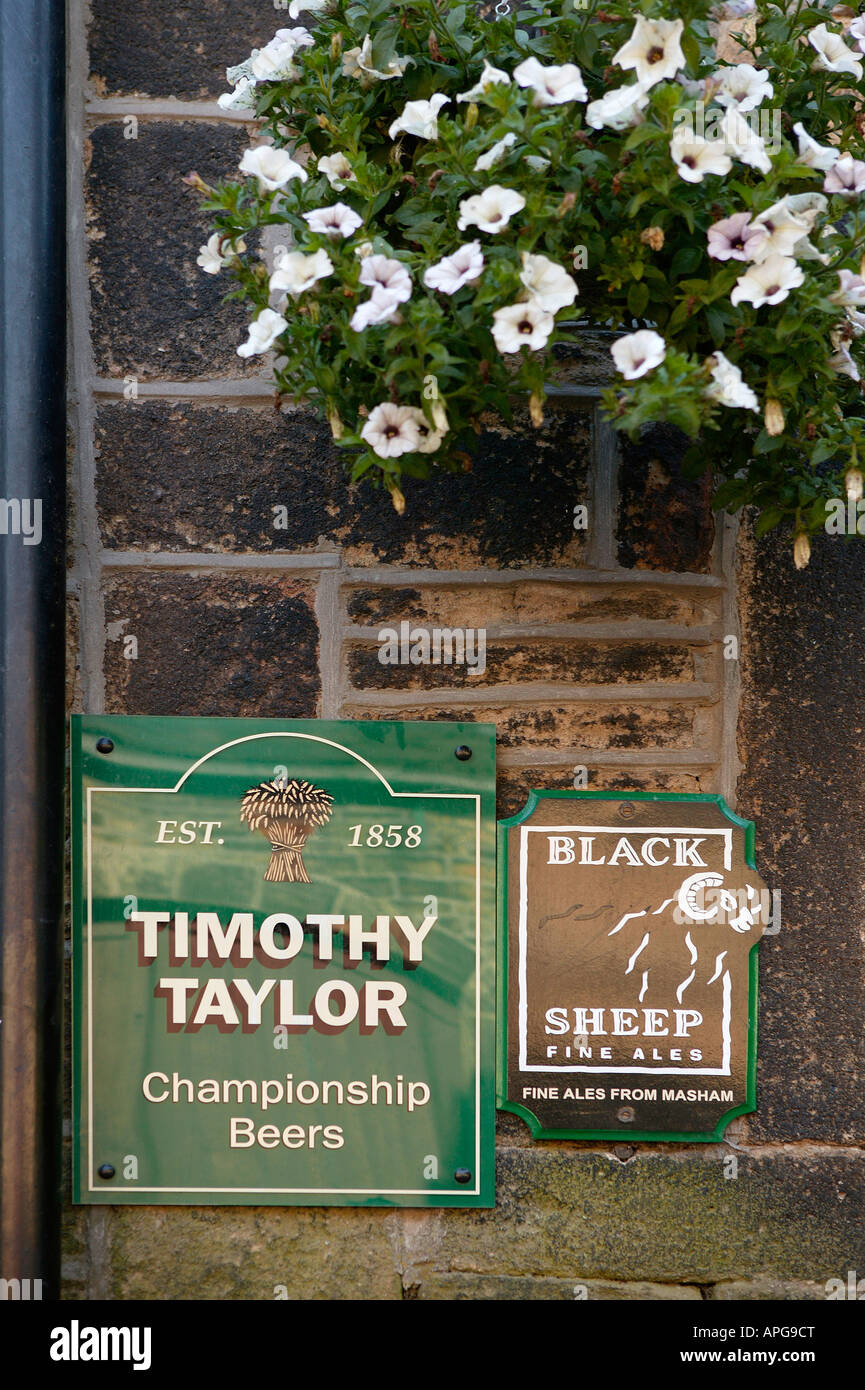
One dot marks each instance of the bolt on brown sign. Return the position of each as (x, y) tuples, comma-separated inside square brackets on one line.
[(628, 965)]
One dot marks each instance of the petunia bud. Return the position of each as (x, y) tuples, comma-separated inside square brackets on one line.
[(440, 417), (396, 497), (853, 484), (195, 181), (336, 425), (862, 266), (471, 115), (773, 417), (536, 409), (653, 237), (801, 551), (335, 45)]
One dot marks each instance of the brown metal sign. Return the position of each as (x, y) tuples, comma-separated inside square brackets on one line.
[(628, 965)]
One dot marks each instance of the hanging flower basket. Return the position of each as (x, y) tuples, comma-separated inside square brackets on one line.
[(450, 196)]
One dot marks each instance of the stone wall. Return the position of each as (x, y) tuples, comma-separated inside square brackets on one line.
[(605, 651)]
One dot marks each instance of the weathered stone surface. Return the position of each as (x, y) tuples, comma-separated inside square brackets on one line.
[(154, 312), (527, 1288), (577, 663), (226, 645), (74, 1254), (664, 1217), (766, 1290), (178, 48), (198, 478), (187, 478), (251, 1253), (800, 737), (73, 656), (530, 601), (513, 785), (665, 519), (545, 725)]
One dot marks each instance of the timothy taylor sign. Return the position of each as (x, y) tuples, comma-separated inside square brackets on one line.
[(628, 965), (282, 965)]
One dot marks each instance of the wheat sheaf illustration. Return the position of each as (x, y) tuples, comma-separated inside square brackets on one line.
[(286, 812)]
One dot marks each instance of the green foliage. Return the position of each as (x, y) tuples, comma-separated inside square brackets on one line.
[(607, 205)]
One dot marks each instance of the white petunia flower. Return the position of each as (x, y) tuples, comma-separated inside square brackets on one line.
[(420, 118), (767, 283), (263, 333), (338, 220), (493, 155), (337, 171), (847, 176), (274, 62), (841, 361), (357, 62), (490, 210), (617, 109), (522, 325), (742, 86), (807, 206), (816, 156), (851, 293), (735, 238), (299, 7), (296, 272), (392, 430), (241, 99), (695, 157), (654, 50), (273, 168), (537, 162), (549, 284), (728, 387), (384, 273), (744, 143), (218, 252), (551, 85), (451, 273), (381, 307), (857, 32), (429, 437), (490, 77), (833, 55), (638, 353), (784, 228)]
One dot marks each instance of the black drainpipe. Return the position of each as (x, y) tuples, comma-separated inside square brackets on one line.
[(32, 582)]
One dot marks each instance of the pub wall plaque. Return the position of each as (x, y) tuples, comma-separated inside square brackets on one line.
[(283, 965), (628, 932)]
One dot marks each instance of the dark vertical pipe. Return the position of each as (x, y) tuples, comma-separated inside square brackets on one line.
[(32, 570)]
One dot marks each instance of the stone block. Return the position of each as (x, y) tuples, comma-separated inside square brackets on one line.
[(801, 732), (154, 313), (211, 645), (174, 48), (665, 519)]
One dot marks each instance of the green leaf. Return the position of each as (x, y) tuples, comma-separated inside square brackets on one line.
[(767, 519), (638, 298)]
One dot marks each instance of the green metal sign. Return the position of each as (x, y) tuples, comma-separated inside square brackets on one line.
[(283, 963)]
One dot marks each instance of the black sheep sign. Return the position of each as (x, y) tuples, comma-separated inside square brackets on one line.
[(628, 960)]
